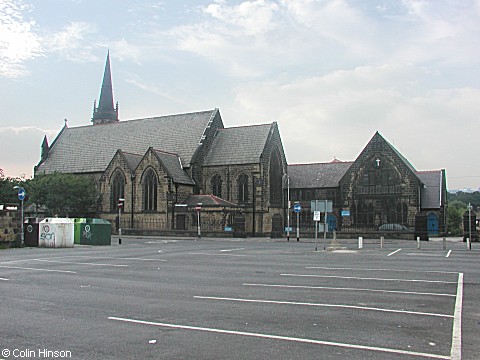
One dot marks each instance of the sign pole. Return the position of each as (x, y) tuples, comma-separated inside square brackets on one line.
[(198, 208), (325, 227), (298, 226), (120, 206)]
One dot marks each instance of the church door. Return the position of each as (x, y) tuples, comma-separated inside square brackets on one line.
[(432, 224)]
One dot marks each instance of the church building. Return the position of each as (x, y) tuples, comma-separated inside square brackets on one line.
[(169, 167), (170, 172)]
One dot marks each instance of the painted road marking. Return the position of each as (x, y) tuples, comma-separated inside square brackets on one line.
[(4, 279), (366, 278), (390, 270), (100, 257), (448, 254), (277, 337), (209, 254), (36, 269), (456, 352), (78, 263), (393, 253), (324, 305), (349, 289), (228, 250)]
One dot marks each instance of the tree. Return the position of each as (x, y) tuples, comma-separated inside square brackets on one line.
[(455, 212), (63, 194), (7, 194)]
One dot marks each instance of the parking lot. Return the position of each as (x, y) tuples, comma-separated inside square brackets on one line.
[(159, 298)]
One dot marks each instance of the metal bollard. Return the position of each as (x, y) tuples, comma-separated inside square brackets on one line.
[(444, 243), (382, 241), (418, 242), (360, 242), (119, 236), (469, 247)]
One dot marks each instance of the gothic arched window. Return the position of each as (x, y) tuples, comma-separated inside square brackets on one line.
[(275, 179), (117, 189), (217, 185), (242, 188), (150, 185)]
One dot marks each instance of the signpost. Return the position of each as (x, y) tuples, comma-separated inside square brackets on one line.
[(298, 208), (121, 202), (21, 196), (319, 206), (198, 209)]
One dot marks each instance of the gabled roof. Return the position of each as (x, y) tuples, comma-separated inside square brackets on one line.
[(431, 192), (90, 148), (317, 175), (208, 201), (132, 160), (173, 165), (238, 145)]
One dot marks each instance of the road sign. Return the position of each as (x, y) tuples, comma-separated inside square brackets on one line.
[(198, 208), (297, 208), (345, 212), (21, 194), (316, 216), (319, 205)]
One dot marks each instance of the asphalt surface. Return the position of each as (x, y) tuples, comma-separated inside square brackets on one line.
[(159, 298)]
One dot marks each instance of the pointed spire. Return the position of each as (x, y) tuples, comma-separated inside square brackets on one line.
[(105, 111), (45, 149)]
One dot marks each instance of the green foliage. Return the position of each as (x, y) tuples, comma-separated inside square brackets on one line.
[(466, 197), (63, 194), (455, 212), (9, 195)]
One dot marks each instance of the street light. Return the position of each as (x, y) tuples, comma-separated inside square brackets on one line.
[(288, 206), (21, 197)]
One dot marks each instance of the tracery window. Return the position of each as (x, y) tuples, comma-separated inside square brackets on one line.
[(242, 188), (150, 187), (217, 185), (275, 179), (117, 189)]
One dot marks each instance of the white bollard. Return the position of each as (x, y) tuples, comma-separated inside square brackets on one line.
[(360, 242), (382, 241), (468, 244), (418, 242)]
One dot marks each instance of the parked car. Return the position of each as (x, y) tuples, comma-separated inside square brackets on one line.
[(393, 227)]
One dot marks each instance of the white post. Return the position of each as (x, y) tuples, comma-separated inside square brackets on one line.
[(468, 244), (198, 226), (360, 242), (418, 242), (382, 241), (298, 226)]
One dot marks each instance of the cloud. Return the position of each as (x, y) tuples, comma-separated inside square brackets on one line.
[(18, 40)]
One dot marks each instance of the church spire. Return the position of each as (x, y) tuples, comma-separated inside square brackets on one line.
[(105, 112)]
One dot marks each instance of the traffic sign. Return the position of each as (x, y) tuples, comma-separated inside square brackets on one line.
[(21, 194), (198, 207), (297, 208), (316, 216)]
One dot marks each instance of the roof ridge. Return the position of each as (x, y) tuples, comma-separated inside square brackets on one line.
[(247, 126), (323, 163)]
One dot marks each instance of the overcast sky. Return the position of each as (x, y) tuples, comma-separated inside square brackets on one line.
[(331, 73)]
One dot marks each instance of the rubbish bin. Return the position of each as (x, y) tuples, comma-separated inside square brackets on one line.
[(77, 229), (95, 232), (56, 233), (30, 231)]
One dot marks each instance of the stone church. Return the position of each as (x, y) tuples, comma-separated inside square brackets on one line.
[(175, 171), (169, 167)]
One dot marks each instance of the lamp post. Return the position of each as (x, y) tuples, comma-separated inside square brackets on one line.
[(288, 207), (21, 197)]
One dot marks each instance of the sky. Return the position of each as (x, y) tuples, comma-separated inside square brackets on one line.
[(330, 73)]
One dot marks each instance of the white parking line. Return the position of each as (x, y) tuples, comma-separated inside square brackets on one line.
[(284, 338), (393, 253), (324, 305), (4, 279), (37, 269), (78, 263), (100, 257), (389, 270), (350, 289), (228, 250), (367, 278), (456, 352), (209, 254), (448, 254)]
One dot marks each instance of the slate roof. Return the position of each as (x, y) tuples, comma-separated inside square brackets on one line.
[(238, 145), (431, 193), (174, 167), (132, 160), (317, 175), (90, 148)]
